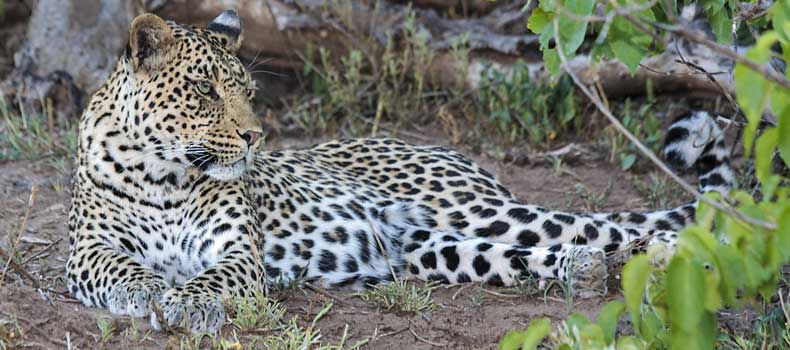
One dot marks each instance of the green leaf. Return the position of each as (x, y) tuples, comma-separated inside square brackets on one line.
[(784, 135), (627, 161), (635, 274), (627, 53), (576, 322), (752, 89), (545, 38), (548, 5), (700, 338), (685, 293), (732, 275), (608, 318), (786, 56), (783, 233), (552, 60), (592, 337), (779, 99), (780, 18), (651, 326), (751, 93), (721, 24), (528, 339), (571, 31), (513, 340), (538, 20), (629, 342), (699, 244), (763, 153)]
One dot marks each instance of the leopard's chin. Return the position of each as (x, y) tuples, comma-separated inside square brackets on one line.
[(227, 172)]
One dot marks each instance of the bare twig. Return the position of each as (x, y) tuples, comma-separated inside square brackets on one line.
[(10, 256), (701, 39), (41, 252), (644, 150), (160, 316), (464, 286), (334, 298), (784, 306), (679, 74), (383, 250), (710, 77), (19, 269), (725, 92), (414, 333), (376, 337), (499, 295)]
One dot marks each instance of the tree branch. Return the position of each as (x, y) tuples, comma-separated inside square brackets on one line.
[(701, 39)]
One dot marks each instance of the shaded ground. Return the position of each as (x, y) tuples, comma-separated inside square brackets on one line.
[(466, 317)]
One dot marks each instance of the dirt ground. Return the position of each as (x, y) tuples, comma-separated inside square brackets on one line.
[(466, 317)]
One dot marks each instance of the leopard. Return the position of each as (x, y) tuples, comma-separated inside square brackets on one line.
[(175, 205)]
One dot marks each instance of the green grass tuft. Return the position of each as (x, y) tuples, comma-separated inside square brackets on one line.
[(295, 337), (658, 191), (32, 136), (401, 296), (255, 312), (641, 121)]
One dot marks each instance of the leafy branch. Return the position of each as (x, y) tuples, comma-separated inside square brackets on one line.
[(673, 296), (598, 102)]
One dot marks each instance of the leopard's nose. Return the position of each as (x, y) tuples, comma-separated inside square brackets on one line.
[(250, 136)]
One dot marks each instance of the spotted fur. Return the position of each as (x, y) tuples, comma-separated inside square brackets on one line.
[(173, 206)]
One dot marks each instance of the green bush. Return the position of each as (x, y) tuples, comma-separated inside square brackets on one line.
[(641, 122), (370, 84), (672, 299), (518, 107)]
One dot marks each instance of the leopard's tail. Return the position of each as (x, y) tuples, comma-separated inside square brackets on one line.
[(696, 141), (693, 141)]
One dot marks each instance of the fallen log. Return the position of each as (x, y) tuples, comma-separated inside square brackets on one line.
[(281, 31), (76, 43)]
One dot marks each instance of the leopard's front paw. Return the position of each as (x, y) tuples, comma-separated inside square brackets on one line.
[(133, 298), (196, 312), (586, 271)]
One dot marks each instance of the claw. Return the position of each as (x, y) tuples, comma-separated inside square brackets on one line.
[(133, 298), (194, 313)]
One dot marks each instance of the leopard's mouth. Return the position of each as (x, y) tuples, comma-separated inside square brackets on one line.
[(214, 167)]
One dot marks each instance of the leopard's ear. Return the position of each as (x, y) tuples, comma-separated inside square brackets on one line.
[(228, 26), (149, 39)]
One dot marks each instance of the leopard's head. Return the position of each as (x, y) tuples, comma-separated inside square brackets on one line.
[(188, 98)]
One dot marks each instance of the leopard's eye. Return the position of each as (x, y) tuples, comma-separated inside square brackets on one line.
[(251, 90), (205, 87)]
